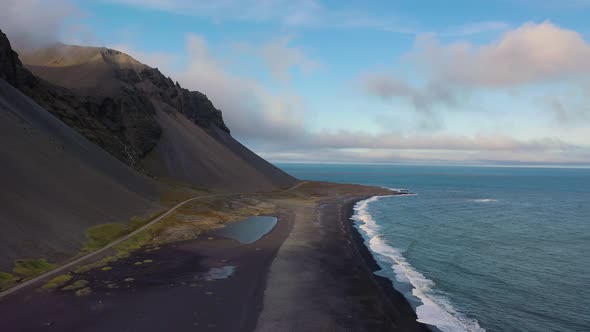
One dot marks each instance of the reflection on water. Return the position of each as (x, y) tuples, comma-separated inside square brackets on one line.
[(217, 273), (248, 230)]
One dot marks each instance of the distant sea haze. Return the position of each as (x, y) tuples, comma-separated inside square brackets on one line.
[(479, 248)]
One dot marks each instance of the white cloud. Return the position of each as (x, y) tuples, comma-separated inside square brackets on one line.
[(35, 23), (530, 54), (346, 146), (249, 109), (280, 57)]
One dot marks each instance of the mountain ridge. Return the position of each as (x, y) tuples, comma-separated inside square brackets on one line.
[(118, 103)]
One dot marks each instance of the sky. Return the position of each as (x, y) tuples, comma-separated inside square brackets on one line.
[(429, 82)]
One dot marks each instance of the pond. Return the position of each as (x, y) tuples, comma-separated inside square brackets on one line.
[(248, 230)]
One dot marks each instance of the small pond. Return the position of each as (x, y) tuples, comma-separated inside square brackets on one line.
[(248, 230)]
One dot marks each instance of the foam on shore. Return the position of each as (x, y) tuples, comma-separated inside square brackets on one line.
[(435, 309)]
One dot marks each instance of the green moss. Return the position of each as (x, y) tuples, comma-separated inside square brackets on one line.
[(31, 267), (133, 243), (106, 268), (100, 235), (78, 284), (95, 265), (84, 291), (7, 280), (58, 281), (137, 222)]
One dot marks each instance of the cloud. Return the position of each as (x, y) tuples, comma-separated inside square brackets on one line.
[(274, 124), (388, 87), (280, 57), (571, 109), (530, 54), (347, 139), (347, 146), (34, 23), (249, 109), (289, 13)]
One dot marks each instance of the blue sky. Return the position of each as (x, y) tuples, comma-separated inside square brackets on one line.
[(459, 82)]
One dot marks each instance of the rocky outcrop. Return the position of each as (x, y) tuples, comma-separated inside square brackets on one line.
[(124, 125), (8, 60), (193, 104)]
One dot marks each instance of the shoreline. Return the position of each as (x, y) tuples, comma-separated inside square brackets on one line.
[(311, 272), (322, 277), (401, 310)]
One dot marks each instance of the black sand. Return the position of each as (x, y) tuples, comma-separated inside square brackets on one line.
[(320, 279)]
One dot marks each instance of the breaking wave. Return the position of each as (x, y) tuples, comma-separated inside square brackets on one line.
[(435, 309)]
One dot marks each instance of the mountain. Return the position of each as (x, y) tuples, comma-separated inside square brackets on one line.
[(55, 183), (149, 121), (88, 136)]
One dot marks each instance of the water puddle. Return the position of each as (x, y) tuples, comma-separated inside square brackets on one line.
[(248, 230), (217, 273)]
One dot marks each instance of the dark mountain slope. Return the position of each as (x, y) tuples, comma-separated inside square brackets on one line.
[(191, 144), (56, 184), (189, 153)]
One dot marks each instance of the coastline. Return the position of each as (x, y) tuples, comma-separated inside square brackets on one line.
[(400, 309), (322, 277), (311, 272)]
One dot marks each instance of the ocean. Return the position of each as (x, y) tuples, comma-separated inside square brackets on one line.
[(479, 248)]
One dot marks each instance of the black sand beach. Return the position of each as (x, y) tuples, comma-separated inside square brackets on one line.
[(312, 272)]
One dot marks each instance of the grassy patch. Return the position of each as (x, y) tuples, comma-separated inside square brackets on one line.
[(133, 243), (84, 291), (95, 265), (27, 268), (78, 284), (7, 280), (100, 235), (58, 281)]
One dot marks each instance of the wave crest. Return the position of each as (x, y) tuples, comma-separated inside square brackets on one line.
[(435, 309), (484, 200)]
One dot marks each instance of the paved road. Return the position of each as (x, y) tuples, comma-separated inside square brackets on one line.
[(64, 267)]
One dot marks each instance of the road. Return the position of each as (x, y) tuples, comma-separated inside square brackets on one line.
[(93, 254)]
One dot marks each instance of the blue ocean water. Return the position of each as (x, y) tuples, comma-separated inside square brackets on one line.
[(479, 248)]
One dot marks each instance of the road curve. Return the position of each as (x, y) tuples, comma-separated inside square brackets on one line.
[(101, 250), (114, 243)]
